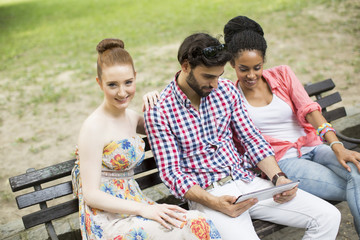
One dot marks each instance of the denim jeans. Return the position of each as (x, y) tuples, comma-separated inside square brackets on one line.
[(321, 174)]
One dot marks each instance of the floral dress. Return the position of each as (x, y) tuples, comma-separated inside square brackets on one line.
[(118, 162)]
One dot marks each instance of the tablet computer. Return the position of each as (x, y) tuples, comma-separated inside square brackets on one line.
[(267, 192)]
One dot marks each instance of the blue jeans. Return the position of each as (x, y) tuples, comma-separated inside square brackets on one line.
[(321, 174)]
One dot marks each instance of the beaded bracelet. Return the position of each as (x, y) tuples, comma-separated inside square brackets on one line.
[(324, 125), (325, 130)]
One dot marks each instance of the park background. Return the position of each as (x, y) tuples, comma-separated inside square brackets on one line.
[(48, 62)]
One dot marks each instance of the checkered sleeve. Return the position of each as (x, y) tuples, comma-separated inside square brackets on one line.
[(255, 146), (165, 149)]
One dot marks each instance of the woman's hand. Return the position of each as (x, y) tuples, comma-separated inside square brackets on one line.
[(150, 99), (287, 195), (344, 156), (164, 214)]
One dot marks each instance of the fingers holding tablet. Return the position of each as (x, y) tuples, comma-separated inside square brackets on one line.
[(243, 206), (286, 195), (281, 193)]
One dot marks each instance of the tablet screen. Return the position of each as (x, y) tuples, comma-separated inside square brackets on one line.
[(267, 192)]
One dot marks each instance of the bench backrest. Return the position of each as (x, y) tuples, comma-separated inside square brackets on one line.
[(146, 175), (316, 90)]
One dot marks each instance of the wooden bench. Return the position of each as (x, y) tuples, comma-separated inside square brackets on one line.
[(147, 172)]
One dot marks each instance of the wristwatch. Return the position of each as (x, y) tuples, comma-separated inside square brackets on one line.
[(276, 176)]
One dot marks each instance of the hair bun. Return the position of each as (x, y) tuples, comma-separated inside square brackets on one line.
[(109, 43), (242, 23)]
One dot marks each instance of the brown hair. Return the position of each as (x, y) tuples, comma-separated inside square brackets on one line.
[(192, 49), (111, 52)]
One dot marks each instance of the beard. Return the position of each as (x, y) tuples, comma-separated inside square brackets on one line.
[(193, 83)]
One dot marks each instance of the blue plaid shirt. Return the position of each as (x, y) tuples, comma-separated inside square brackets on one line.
[(196, 147)]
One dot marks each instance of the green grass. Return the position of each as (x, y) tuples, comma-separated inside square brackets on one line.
[(52, 31), (40, 39)]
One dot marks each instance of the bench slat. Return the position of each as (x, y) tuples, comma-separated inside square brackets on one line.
[(329, 100), (42, 175), (149, 180), (334, 114), (264, 228), (43, 195), (51, 213), (147, 144), (319, 87), (146, 165)]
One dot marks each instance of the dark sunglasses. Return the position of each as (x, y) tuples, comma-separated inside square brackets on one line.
[(210, 52)]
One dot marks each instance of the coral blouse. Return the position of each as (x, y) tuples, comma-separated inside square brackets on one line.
[(285, 85)]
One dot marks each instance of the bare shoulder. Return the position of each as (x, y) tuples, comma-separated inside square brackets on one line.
[(92, 127), (137, 121), (133, 115)]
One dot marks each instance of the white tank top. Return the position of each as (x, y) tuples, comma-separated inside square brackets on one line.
[(277, 120)]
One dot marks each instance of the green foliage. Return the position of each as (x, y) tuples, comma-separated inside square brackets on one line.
[(42, 38), (48, 31)]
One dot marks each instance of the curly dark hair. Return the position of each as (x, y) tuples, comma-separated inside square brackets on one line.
[(192, 48), (242, 33)]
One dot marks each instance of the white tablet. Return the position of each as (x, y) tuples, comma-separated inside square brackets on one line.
[(267, 192)]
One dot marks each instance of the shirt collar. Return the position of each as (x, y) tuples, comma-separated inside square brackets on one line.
[(179, 94), (272, 84)]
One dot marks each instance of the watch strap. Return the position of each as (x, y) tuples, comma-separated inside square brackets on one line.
[(276, 176)]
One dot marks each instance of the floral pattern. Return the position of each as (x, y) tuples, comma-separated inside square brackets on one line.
[(200, 228), (123, 156), (137, 234), (119, 183), (119, 238), (119, 162), (111, 147)]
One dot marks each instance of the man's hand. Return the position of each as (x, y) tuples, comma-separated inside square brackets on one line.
[(225, 204), (287, 195)]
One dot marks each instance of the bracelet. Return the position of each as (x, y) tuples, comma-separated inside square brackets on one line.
[(321, 128), (334, 142), (324, 131), (276, 176)]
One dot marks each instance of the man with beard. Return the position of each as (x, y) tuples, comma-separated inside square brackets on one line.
[(191, 134)]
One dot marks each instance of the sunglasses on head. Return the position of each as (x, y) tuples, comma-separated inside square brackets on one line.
[(210, 52)]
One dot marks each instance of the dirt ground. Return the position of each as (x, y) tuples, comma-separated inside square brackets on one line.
[(324, 44)]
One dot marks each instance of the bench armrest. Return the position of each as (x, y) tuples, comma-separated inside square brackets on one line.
[(348, 139)]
